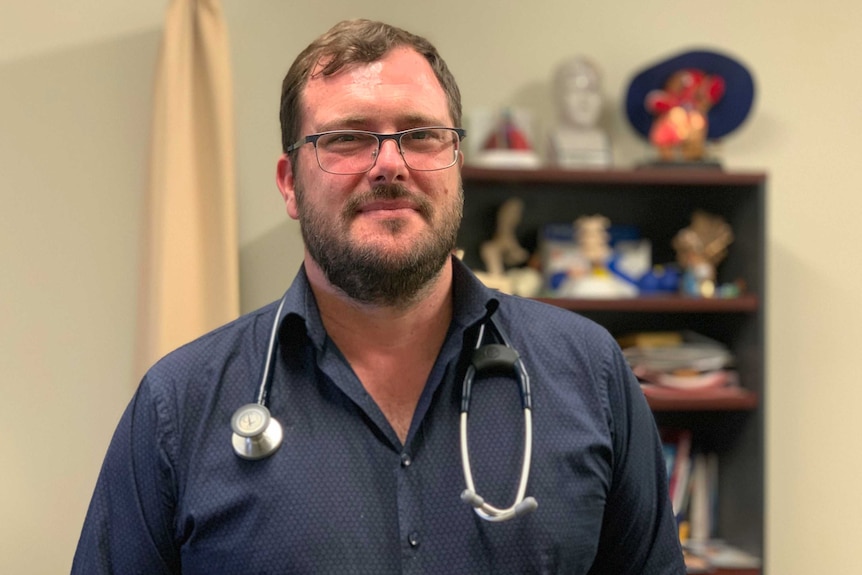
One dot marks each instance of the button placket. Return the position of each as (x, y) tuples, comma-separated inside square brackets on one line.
[(409, 513)]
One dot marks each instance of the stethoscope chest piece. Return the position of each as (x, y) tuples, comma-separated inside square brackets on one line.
[(255, 433)]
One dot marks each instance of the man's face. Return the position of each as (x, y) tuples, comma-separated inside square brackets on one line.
[(383, 235)]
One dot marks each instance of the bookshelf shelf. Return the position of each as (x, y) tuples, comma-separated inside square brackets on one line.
[(747, 303), (658, 203), (721, 399), (637, 177)]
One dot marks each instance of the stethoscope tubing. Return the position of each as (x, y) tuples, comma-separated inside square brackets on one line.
[(509, 357), (480, 506), (266, 377)]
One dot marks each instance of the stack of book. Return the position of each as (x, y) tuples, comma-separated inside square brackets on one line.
[(679, 362)]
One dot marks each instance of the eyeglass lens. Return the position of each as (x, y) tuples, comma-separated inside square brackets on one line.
[(356, 152)]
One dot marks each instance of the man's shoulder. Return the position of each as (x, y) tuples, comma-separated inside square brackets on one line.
[(247, 335), (532, 314), (557, 332)]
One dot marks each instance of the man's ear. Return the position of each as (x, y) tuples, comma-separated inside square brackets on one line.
[(286, 185)]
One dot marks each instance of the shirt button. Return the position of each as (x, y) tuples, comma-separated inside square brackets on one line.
[(413, 539), (405, 460)]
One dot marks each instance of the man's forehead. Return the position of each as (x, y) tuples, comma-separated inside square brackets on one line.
[(401, 80), (397, 59)]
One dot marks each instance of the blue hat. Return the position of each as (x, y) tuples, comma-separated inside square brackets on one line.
[(727, 114)]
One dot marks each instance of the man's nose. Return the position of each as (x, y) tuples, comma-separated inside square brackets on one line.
[(390, 163)]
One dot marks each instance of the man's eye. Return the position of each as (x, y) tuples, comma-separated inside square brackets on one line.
[(346, 141), (421, 135)]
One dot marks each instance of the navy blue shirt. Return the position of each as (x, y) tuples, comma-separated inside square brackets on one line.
[(343, 495)]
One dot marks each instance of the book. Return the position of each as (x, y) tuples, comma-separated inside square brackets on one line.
[(700, 510), (669, 450), (681, 468)]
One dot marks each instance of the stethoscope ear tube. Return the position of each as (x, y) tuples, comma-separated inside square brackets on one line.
[(522, 505), (497, 358), (500, 359)]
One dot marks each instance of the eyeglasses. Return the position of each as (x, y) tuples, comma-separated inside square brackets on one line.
[(346, 152)]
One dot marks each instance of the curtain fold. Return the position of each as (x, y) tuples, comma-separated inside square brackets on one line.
[(190, 270)]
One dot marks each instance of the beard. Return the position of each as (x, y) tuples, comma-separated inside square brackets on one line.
[(368, 273)]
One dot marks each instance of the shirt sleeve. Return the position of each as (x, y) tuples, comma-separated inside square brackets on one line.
[(129, 523), (639, 533)]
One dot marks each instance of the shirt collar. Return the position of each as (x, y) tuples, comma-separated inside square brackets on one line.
[(473, 302)]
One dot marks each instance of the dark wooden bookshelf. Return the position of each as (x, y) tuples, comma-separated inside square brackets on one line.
[(659, 202)]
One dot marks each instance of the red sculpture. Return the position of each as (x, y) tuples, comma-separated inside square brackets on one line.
[(681, 109)]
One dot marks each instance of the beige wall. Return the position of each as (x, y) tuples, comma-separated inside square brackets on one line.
[(73, 128), (73, 131)]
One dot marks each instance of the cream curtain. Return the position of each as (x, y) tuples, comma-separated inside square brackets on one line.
[(190, 278)]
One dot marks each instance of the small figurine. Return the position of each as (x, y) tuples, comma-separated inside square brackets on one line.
[(504, 256), (700, 248), (503, 249), (592, 278), (508, 144), (577, 141), (681, 124), (683, 103), (591, 235)]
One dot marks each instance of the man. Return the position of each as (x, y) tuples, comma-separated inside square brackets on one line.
[(366, 379)]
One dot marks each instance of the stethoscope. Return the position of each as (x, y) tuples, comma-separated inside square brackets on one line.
[(257, 435)]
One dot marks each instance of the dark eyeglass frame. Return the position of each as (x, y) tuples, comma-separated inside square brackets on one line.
[(396, 136)]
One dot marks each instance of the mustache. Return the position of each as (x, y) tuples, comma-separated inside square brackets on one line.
[(388, 192)]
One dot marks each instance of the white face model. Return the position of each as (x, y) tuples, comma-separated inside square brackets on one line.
[(578, 94)]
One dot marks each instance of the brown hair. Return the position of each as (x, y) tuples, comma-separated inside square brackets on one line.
[(350, 42)]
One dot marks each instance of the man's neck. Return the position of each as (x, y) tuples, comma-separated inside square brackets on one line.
[(392, 350), (381, 323)]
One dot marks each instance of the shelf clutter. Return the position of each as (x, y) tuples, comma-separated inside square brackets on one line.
[(685, 371)]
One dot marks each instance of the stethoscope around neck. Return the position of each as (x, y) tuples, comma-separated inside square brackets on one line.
[(257, 435)]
